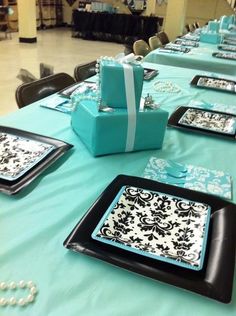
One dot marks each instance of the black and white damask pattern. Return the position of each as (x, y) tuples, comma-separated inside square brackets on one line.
[(219, 84), (157, 225), (223, 123), (225, 55), (18, 155)]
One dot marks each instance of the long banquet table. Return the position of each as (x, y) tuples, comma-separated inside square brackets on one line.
[(198, 58), (36, 221)]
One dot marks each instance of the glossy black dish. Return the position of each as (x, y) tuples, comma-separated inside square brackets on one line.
[(215, 280), (59, 148), (150, 73), (228, 48), (176, 116), (226, 55), (217, 84)]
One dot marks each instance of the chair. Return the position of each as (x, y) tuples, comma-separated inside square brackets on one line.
[(154, 42), (84, 71), (163, 37), (187, 27), (140, 47), (33, 91), (197, 25)]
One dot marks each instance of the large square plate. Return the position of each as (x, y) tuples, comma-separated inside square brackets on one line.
[(209, 123), (227, 55), (219, 84), (228, 48), (24, 155), (215, 280)]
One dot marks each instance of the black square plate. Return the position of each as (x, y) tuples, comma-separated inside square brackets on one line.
[(228, 48), (59, 148), (227, 55), (179, 113), (150, 73), (218, 84), (67, 92), (215, 280)]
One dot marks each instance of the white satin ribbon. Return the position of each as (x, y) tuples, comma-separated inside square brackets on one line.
[(131, 106)]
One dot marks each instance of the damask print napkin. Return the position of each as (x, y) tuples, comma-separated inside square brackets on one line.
[(18, 155), (157, 225), (192, 177)]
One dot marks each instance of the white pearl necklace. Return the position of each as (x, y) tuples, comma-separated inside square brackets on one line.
[(21, 301), (166, 86)]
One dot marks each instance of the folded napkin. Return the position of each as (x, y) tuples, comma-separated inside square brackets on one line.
[(190, 177)]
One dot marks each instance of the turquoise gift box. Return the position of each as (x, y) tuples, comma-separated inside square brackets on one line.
[(113, 91), (212, 38), (106, 132)]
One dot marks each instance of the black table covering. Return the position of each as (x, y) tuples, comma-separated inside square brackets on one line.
[(113, 27)]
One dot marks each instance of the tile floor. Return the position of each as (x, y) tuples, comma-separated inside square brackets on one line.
[(55, 47)]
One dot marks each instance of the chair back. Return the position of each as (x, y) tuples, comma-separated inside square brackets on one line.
[(163, 37), (197, 25), (84, 71), (154, 42), (140, 47), (33, 91), (188, 28)]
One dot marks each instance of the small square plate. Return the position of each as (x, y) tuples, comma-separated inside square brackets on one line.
[(79, 86), (156, 225), (24, 156), (214, 280), (19, 154), (204, 121), (229, 48), (209, 120), (220, 84), (188, 43), (230, 56)]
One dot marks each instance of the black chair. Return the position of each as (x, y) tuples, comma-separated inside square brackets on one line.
[(33, 91), (84, 71), (163, 37)]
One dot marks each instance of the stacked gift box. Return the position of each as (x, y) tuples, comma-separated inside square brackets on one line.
[(123, 127)]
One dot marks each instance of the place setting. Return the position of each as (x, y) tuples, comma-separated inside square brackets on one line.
[(24, 156), (161, 231)]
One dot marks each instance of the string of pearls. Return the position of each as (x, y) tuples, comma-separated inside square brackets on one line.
[(21, 301), (166, 86)]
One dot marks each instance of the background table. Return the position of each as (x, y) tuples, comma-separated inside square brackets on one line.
[(198, 58), (113, 27), (35, 222)]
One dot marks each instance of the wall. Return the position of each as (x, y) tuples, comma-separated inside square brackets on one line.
[(205, 10), (201, 10)]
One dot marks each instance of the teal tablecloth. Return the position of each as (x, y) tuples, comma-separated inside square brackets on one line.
[(198, 58), (35, 222)]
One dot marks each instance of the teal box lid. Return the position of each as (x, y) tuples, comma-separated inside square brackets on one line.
[(213, 26), (106, 132), (212, 38), (113, 92)]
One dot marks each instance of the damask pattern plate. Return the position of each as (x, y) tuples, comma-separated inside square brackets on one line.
[(229, 48), (19, 154), (25, 155), (205, 121), (156, 225), (208, 120), (230, 56), (220, 84), (214, 280), (187, 43)]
